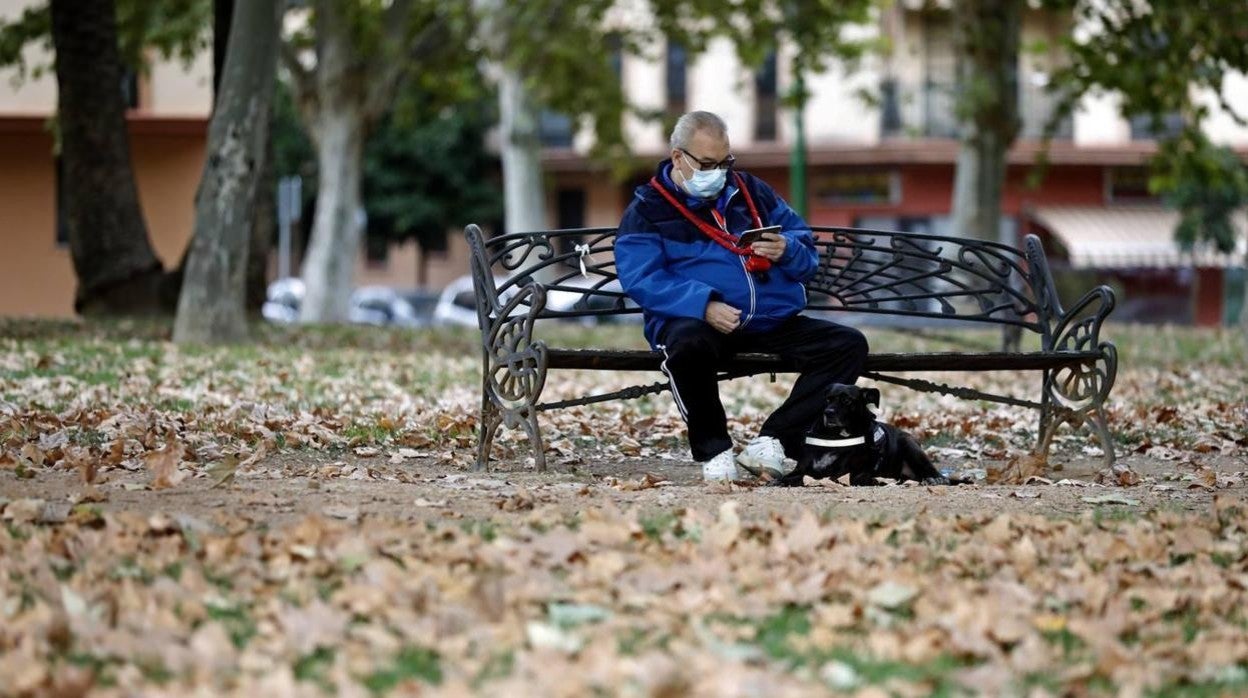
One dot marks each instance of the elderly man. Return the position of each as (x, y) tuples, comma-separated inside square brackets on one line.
[(706, 298)]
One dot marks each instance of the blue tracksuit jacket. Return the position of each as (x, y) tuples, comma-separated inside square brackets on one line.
[(672, 269)]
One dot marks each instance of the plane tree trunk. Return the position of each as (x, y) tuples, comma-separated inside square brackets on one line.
[(211, 305), (117, 269)]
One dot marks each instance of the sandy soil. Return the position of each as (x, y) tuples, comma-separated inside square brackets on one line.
[(288, 486)]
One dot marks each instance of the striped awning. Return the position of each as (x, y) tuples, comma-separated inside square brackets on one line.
[(1132, 237)]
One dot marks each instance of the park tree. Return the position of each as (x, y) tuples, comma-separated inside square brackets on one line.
[(89, 43), (425, 165), (211, 305), (345, 64), (1165, 58), (117, 269)]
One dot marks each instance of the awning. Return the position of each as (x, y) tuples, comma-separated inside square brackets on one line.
[(1132, 237)]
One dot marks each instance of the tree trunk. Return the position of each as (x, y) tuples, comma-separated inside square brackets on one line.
[(977, 184), (524, 198), (987, 44), (211, 304), (263, 229), (117, 270), (337, 226)]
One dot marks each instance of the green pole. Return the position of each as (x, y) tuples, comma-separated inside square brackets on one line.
[(797, 156)]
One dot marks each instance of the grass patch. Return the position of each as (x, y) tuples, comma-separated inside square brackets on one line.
[(311, 667), (236, 619), (410, 663)]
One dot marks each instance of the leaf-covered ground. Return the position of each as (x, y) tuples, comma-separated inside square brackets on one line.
[(297, 516)]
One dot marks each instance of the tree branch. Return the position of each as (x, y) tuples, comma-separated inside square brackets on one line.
[(301, 83), (393, 61)]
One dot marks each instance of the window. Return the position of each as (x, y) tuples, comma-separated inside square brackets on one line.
[(857, 187), (62, 215), (554, 129), (129, 88), (676, 79), (376, 250), (890, 108), (940, 76), (570, 214), (765, 102), (1128, 185), (1143, 128), (615, 54)]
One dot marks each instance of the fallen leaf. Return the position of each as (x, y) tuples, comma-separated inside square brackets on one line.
[(163, 466), (1111, 499), (222, 472), (891, 595)]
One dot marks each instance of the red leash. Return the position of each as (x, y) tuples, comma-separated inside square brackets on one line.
[(753, 262)]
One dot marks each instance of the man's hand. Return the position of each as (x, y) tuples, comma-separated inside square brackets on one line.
[(771, 246), (722, 316)]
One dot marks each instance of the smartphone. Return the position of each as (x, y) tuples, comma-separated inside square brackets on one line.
[(753, 235)]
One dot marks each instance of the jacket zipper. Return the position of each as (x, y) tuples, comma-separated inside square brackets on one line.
[(749, 279)]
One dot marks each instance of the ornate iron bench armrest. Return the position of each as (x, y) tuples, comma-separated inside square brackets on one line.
[(1079, 391), (514, 371)]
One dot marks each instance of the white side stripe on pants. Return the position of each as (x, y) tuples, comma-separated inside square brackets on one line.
[(680, 404)]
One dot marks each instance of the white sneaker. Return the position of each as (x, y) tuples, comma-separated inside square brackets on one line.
[(763, 454), (720, 467)]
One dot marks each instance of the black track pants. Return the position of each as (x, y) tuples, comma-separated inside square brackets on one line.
[(824, 353)]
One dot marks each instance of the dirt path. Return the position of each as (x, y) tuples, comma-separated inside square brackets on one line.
[(289, 486)]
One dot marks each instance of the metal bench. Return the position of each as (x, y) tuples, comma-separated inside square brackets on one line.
[(952, 281)]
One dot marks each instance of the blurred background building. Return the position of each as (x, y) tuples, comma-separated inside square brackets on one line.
[(881, 150)]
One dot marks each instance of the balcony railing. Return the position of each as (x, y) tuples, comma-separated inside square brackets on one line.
[(929, 110)]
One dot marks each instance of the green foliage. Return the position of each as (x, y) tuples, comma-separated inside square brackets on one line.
[(181, 28), (173, 28), (565, 52), (422, 175), (1163, 57), (1206, 183), (33, 25), (424, 168)]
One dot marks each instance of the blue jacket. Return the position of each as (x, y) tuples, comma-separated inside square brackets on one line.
[(672, 269)]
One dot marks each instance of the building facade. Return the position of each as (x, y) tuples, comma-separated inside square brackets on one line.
[(889, 162)]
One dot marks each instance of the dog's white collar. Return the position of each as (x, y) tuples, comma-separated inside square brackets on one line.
[(836, 443)]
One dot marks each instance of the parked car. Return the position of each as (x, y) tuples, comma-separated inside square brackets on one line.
[(382, 305), (283, 299), (570, 301), (458, 305)]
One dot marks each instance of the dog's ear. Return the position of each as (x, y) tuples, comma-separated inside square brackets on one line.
[(871, 396)]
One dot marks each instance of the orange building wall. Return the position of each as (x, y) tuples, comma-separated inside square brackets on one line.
[(36, 277), (36, 274)]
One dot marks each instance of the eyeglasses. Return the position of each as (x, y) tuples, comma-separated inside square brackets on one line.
[(710, 164)]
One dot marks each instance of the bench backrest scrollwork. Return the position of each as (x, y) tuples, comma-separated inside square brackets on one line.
[(868, 271)]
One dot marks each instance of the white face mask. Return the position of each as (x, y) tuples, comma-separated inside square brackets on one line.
[(705, 184)]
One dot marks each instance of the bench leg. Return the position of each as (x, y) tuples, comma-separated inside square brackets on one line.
[(1078, 397), (535, 439), (491, 418)]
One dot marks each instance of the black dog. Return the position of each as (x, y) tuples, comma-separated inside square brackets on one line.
[(848, 439)]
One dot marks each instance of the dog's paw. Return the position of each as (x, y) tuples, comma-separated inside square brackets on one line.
[(864, 481), (783, 482), (945, 481)]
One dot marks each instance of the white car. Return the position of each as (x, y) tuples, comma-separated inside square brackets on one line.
[(458, 305), (381, 305), (282, 300)]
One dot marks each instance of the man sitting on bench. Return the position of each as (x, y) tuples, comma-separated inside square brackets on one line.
[(705, 297)]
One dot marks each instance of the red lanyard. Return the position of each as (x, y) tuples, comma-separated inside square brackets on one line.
[(720, 234)]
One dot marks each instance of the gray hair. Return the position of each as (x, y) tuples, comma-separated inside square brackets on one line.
[(695, 121)]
